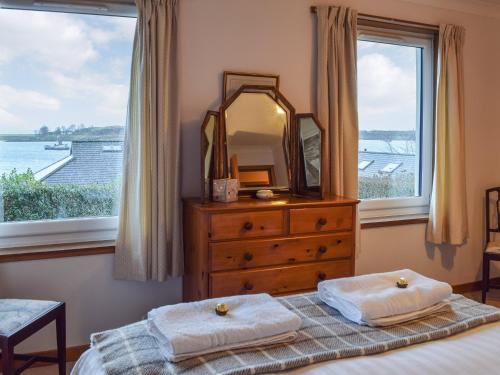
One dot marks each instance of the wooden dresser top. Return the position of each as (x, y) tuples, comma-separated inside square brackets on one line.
[(245, 203)]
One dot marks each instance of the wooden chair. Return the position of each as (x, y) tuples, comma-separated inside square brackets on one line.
[(492, 251), (21, 318)]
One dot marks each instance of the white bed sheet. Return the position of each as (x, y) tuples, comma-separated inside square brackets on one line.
[(473, 352)]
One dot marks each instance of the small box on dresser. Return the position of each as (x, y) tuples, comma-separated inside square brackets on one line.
[(279, 246)]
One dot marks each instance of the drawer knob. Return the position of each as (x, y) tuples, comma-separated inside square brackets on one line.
[(322, 221), (248, 225), (339, 242), (322, 249), (322, 276), (248, 256), (248, 286)]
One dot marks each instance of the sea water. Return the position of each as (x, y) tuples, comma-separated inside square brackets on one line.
[(32, 155), (28, 155)]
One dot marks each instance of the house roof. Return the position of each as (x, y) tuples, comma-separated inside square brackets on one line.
[(90, 162), (372, 163)]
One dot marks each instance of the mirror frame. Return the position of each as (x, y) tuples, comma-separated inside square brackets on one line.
[(301, 181), (221, 162), (249, 79), (203, 147)]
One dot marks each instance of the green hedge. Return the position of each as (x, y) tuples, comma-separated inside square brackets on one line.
[(387, 186), (24, 198)]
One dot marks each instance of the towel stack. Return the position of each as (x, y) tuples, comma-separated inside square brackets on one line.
[(375, 300), (192, 329)]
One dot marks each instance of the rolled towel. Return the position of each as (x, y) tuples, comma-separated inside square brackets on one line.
[(367, 299), (188, 330)]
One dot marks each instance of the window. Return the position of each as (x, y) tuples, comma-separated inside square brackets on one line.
[(391, 167), (64, 82), (363, 164), (395, 107)]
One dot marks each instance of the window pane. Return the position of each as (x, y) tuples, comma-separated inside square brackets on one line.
[(389, 81), (64, 82)]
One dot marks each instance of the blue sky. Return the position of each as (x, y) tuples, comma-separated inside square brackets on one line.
[(386, 86), (60, 69)]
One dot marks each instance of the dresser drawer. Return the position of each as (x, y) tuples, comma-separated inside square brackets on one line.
[(324, 219), (260, 253), (277, 280), (246, 225)]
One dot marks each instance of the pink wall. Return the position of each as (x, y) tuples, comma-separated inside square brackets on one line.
[(277, 37)]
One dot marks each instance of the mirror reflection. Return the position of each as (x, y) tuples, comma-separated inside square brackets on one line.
[(310, 139), (208, 137), (256, 140)]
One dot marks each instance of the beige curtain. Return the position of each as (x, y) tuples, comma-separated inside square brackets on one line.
[(336, 97), (448, 212), (149, 245)]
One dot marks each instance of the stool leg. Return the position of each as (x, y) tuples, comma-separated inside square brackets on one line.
[(486, 277), (61, 340), (7, 358)]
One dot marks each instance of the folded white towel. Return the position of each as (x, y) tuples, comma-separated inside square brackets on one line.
[(191, 329), (364, 299), (401, 318)]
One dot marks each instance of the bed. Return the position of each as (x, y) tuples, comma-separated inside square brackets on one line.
[(476, 351), (473, 351)]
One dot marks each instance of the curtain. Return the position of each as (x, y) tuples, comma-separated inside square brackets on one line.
[(448, 211), (336, 96), (337, 99), (149, 243)]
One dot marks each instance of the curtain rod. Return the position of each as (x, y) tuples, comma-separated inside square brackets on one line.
[(370, 17)]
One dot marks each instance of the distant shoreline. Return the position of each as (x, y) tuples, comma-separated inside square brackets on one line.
[(55, 139)]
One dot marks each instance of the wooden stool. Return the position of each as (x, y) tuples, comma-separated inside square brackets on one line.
[(19, 319)]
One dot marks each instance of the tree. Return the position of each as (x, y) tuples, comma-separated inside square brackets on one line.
[(44, 130)]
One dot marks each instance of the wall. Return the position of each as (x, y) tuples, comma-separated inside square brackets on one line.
[(276, 36), (95, 301)]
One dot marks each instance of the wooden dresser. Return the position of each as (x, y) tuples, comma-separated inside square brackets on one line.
[(280, 246)]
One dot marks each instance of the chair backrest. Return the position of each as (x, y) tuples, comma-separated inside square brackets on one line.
[(492, 212)]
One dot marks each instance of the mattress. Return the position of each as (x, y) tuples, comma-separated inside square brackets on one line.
[(472, 352)]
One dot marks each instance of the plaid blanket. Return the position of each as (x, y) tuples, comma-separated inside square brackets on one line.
[(325, 335)]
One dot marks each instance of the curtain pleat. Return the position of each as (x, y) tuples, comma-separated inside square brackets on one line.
[(448, 210), (149, 243), (336, 96)]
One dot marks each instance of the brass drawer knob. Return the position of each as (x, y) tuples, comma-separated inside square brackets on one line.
[(248, 286), (322, 276), (322, 221), (322, 249), (248, 256), (248, 225)]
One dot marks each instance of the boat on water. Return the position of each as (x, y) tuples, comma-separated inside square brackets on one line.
[(59, 146)]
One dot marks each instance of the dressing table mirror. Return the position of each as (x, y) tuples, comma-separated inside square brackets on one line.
[(208, 134), (255, 134), (257, 138), (311, 155)]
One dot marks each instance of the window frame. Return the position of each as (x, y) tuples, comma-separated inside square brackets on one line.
[(385, 209), (90, 230)]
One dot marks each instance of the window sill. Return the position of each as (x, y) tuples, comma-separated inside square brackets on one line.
[(393, 222), (56, 251)]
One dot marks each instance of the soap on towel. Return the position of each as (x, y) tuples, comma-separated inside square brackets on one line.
[(191, 329), (366, 299)]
